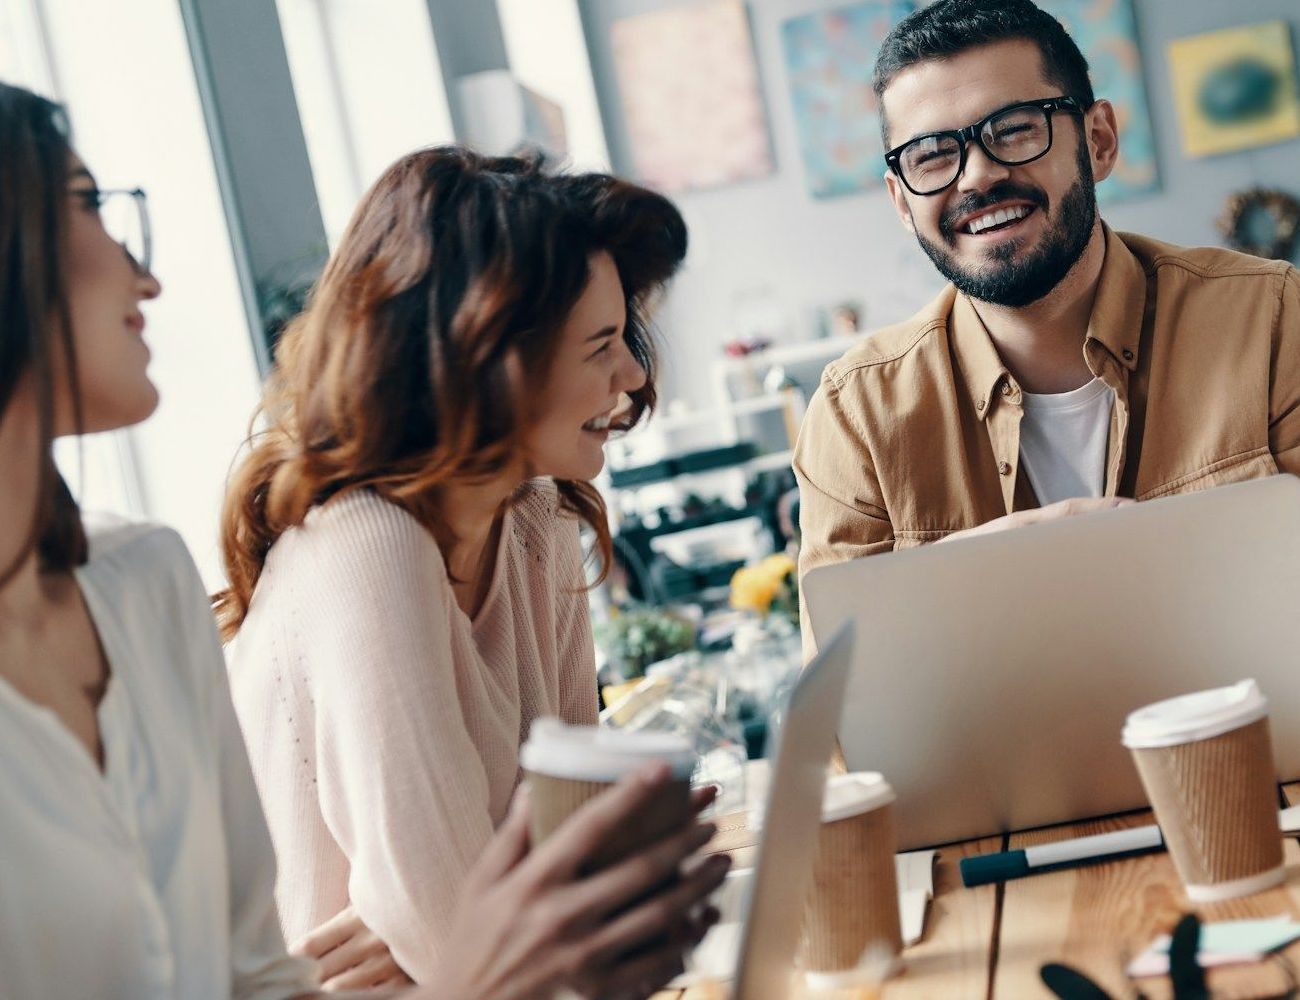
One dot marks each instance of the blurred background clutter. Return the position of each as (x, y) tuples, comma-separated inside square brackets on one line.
[(255, 126)]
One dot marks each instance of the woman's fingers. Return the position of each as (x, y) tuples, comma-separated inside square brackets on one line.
[(702, 798), (656, 915), (354, 952), (329, 935), (568, 912), (705, 922), (613, 888), (640, 976), (579, 836), (377, 970)]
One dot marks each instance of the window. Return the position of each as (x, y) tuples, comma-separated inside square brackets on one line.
[(369, 89), (548, 53), (124, 72)]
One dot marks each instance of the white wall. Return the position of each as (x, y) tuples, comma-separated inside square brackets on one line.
[(765, 241), (770, 239)]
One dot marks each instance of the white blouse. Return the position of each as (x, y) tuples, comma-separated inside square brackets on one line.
[(153, 878)]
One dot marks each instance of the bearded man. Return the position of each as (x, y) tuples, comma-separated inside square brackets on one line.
[(1066, 367)]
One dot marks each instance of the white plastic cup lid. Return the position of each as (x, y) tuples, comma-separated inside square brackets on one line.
[(597, 753), (854, 794), (845, 795), (1191, 717)]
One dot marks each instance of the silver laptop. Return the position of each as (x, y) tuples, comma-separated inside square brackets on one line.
[(772, 915), (992, 675)]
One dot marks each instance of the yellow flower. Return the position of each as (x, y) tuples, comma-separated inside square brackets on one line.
[(752, 589), (778, 566)]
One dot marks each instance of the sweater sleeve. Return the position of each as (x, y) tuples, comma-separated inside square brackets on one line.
[(260, 967), (402, 788), (574, 641)]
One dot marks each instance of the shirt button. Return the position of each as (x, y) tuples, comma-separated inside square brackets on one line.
[(1004, 468), (1128, 355)]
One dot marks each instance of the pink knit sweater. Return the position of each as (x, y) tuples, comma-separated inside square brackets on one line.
[(383, 725)]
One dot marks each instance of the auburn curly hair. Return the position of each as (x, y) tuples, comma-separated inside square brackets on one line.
[(455, 270)]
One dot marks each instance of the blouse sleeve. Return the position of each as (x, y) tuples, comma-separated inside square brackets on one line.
[(260, 966), (402, 788)]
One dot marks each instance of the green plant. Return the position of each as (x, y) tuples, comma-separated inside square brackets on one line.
[(636, 637), (283, 291), (280, 303)]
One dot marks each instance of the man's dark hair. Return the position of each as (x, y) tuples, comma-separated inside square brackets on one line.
[(948, 27)]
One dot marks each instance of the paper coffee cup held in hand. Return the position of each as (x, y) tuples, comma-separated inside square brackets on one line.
[(567, 765)]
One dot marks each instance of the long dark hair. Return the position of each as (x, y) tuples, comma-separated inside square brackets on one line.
[(35, 323), (456, 269)]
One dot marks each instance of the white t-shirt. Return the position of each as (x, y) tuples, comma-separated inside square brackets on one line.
[(1063, 439)]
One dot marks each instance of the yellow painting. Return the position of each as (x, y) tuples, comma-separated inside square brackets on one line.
[(1236, 88)]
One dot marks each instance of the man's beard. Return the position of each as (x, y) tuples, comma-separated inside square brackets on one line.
[(1003, 281)]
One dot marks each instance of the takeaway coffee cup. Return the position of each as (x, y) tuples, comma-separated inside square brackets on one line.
[(852, 912), (1206, 763), (567, 765)]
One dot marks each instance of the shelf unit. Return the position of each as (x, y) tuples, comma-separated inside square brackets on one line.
[(827, 348), (691, 418), (803, 354), (722, 422)]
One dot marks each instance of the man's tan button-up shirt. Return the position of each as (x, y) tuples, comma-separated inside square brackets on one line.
[(915, 432)]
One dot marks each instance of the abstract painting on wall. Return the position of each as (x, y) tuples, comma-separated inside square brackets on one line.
[(1106, 32), (1235, 89), (829, 57), (692, 105)]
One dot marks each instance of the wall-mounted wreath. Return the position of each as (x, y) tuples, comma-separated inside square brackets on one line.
[(1261, 222)]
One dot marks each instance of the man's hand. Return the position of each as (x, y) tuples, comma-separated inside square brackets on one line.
[(1052, 512)]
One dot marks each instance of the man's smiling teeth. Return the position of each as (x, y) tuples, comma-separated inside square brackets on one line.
[(598, 424), (997, 218)]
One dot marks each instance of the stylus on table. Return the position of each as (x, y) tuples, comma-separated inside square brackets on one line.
[(985, 868)]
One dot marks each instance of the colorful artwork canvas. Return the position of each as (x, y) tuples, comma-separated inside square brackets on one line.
[(692, 104), (1235, 89), (1106, 32), (829, 57)]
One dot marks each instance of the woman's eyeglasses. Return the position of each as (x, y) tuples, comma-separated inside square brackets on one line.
[(124, 213), (1013, 136)]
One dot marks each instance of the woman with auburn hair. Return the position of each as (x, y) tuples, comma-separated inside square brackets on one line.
[(407, 586), (135, 862)]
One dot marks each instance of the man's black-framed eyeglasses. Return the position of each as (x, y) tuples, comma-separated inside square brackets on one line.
[(124, 213), (1013, 136)]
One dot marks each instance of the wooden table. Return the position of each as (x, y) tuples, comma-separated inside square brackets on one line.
[(991, 941)]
